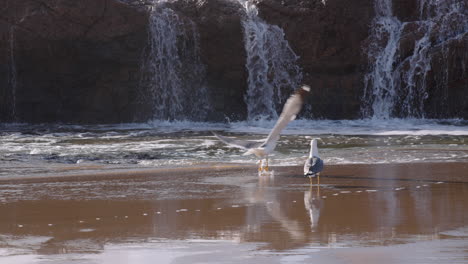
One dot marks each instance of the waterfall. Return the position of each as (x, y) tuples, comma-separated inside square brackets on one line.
[(12, 76), (173, 74), (380, 87), (396, 85), (272, 67)]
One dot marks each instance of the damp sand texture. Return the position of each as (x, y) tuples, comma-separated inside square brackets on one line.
[(401, 213)]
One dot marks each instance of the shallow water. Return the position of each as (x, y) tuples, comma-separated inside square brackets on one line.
[(44, 149), (228, 216)]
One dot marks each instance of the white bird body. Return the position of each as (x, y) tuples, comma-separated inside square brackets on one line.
[(261, 151), (313, 165), (290, 110)]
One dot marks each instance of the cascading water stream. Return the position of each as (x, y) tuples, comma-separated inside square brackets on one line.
[(396, 85), (173, 79), (12, 76), (380, 85), (272, 67)]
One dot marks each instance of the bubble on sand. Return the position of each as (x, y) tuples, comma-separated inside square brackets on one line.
[(126, 216), (219, 208), (86, 230), (81, 221), (439, 182), (50, 224), (145, 214), (97, 218), (324, 197), (417, 187), (335, 194), (235, 205), (20, 226), (359, 191), (371, 190), (158, 212), (345, 192)]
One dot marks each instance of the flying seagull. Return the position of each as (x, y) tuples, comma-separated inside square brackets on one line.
[(262, 149), (314, 165)]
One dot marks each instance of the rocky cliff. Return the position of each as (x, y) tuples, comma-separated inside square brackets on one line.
[(328, 39), (80, 61), (75, 61)]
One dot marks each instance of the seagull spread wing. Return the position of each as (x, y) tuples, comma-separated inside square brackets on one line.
[(243, 144), (290, 110)]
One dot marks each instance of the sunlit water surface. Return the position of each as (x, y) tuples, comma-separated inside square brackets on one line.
[(26, 149)]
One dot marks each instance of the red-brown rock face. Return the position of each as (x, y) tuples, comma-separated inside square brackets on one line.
[(76, 61), (80, 61)]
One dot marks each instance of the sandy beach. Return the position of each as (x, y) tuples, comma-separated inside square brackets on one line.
[(226, 213)]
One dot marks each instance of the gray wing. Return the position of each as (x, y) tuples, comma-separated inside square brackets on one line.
[(290, 110), (244, 144), (315, 166), (307, 165)]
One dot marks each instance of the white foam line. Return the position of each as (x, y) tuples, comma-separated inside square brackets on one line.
[(415, 127)]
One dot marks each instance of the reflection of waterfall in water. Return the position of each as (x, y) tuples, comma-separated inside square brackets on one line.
[(12, 77), (271, 64), (173, 75), (401, 54)]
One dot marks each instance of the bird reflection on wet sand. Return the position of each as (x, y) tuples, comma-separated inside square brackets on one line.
[(267, 194), (313, 203)]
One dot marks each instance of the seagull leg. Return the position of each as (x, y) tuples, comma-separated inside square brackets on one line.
[(266, 167), (310, 180), (318, 178), (260, 166)]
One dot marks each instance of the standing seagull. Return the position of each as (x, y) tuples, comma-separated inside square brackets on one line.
[(314, 165), (262, 149)]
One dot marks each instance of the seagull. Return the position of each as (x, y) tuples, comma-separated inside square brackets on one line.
[(314, 165), (262, 149)]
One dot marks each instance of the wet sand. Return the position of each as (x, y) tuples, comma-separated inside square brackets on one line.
[(226, 213)]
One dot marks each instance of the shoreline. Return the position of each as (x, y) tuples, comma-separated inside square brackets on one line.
[(450, 172)]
